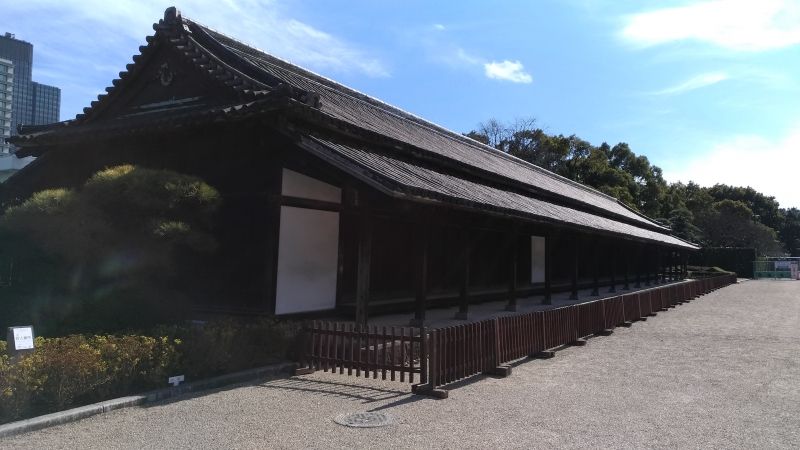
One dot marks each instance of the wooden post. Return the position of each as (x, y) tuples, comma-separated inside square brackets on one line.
[(421, 279), (575, 266), (613, 255), (363, 268), (673, 265), (595, 267), (648, 266), (638, 254), (511, 254), (685, 263), (660, 273), (626, 256), (548, 267), (463, 294)]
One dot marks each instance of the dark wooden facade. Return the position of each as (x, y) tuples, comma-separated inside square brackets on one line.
[(417, 224)]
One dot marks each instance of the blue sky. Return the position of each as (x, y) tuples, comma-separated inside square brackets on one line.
[(707, 90)]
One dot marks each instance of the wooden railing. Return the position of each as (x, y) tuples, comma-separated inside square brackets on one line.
[(398, 353), (441, 356), (461, 351)]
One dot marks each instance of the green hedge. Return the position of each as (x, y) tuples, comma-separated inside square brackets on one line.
[(80, 369), (733, 259)]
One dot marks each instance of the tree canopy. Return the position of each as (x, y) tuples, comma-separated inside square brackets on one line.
[(115, 249), (717, 216)]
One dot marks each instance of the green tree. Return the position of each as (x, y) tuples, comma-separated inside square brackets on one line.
[(127, 242)]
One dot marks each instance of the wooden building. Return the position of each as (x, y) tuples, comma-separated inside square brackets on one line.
[(334, 200)]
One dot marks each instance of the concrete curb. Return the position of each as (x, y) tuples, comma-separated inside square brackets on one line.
[(82, 412)]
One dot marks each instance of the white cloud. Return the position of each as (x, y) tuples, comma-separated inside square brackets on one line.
[(507, 70), (696, 82), (745, 25), (768, 165), (439, 27), (265, 24)]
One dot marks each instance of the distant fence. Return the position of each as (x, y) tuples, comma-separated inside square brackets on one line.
[(788, 268), (442, 356)]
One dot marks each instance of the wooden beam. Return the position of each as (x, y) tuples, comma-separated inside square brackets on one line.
[(685, 263), (575, 267), (421, 278), (613, 256), (463, 293), (363, 268), (595, 267), (549, 242), (511, 254), (273, 225), (626, 257)]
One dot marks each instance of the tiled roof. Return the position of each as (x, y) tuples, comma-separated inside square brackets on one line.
[(409, 180), (254, 76), (373, 115)]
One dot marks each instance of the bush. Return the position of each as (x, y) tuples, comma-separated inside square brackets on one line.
[(77, 369), (120, 253), (230, 345), (80, 369)]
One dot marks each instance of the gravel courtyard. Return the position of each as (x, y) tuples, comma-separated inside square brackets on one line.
[(720, 372)]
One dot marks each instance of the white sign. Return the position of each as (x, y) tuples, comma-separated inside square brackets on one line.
[(23, 338), (176, 380)]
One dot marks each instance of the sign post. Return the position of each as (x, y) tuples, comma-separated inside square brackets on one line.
[(20, 340)]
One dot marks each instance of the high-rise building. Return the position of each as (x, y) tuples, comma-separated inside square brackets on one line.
[(46, 103), (31, 103), (6, 98)]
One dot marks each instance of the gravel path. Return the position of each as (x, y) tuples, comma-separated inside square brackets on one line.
[(720, 372)]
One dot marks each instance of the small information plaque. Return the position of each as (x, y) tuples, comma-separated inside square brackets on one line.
[(176, 380), (20, 340)]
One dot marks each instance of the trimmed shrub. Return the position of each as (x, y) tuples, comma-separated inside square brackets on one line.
[(734, 259), (224, 346), (79, 369)]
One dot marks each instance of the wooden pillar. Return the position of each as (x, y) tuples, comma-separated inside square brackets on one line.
[(421, 278), (660, 262), (463, 293), (549, 241), (575, 266), (627, 256), (673, 272), (638, 255), (595, 267), (668, 266), (673, 265), (612, 253), (685, 264), (511, 255), (649, 266), (363, 268)]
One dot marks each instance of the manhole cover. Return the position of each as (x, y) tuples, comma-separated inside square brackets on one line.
[(364, 420)]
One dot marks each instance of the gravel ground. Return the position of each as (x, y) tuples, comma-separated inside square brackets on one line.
[(720, 372)]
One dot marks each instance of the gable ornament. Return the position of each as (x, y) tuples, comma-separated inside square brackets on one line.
[(165, 75)]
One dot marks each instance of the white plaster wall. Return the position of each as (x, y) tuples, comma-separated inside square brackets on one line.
[(307, 259), (537, 259), (298, 185)]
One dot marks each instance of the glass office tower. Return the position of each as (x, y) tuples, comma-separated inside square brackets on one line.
[(31, 103)]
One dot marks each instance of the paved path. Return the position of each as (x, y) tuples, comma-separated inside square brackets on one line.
[(720, 372)]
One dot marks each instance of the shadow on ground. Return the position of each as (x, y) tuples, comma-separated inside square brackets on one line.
[(349, 391)]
